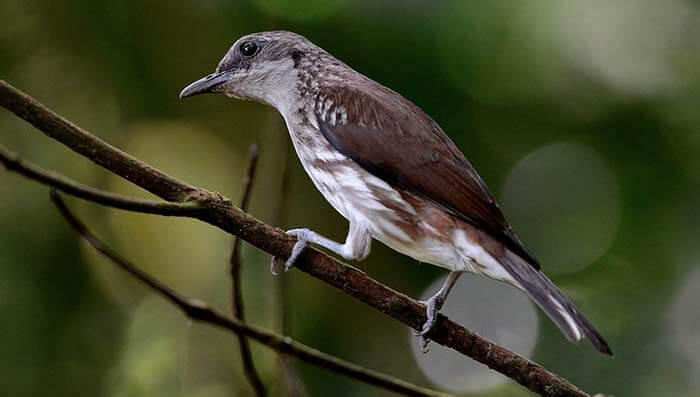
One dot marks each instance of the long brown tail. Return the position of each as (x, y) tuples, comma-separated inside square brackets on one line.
[(559, 308)]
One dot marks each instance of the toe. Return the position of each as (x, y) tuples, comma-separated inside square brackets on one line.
[(297, 232), (299, 247), (431, 317), (289, 264), (424, 344), (273, 266), (426, 328)]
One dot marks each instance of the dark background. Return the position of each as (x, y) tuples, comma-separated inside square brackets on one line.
[(581, 116)]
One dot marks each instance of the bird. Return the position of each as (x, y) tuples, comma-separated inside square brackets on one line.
[(388, 168)]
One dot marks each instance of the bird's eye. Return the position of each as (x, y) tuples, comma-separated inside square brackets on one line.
[(249, 49)]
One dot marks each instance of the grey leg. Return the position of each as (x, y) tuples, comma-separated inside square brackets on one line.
[(433, 306), (356, 247)]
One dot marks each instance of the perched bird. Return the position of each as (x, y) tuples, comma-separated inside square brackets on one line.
[(389, 169)]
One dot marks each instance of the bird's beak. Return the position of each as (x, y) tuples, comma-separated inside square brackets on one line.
[(206, 84)]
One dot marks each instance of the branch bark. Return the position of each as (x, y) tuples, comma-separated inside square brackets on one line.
[(221, 213)]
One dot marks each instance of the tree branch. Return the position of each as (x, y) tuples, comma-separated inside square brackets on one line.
[(221, 213), (200, 311), (236, 293), (14, 163)]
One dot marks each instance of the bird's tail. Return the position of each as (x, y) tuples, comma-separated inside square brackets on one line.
[(553, 302)]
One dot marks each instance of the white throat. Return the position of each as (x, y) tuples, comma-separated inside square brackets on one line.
[(272, 83)]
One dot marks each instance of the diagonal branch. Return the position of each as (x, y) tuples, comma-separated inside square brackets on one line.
[(221, 213), (237, 294), (14, 163), (200, 311)]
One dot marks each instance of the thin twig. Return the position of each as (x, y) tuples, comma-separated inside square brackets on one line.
[(235, 268), (295, 386), (281, 219), (223, 214), (201, 311), (14, 163)]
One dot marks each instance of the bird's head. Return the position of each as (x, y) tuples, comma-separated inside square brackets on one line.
[(260, 67)]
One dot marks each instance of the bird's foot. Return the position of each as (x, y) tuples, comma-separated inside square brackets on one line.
[(432, 307), (299, 247)]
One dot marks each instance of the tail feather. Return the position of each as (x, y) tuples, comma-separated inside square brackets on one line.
[(560, 309)]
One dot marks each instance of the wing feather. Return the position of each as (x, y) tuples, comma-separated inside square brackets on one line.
[(408, 150)]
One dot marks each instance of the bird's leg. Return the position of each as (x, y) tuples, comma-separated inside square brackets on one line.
[(356, 247), (433, 306)]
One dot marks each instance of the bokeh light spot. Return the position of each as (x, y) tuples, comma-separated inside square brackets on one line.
[(563, 200), (494, 310), (630, 44), (684, 327)]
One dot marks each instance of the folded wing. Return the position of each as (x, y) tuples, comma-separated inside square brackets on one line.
[(408, 150)]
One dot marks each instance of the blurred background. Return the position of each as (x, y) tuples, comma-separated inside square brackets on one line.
[(582, 116)]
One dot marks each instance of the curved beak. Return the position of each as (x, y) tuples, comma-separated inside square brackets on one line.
[(206, 84)]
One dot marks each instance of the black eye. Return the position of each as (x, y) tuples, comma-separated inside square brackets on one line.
[(249, 49)]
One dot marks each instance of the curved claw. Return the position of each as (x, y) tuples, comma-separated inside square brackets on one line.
[(424, 342), (432, 306), (299, 247), (273, 265)]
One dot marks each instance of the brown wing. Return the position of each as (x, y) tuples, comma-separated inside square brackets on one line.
[(407, 149)]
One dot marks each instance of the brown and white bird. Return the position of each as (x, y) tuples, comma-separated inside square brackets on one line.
[(389, 169)]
